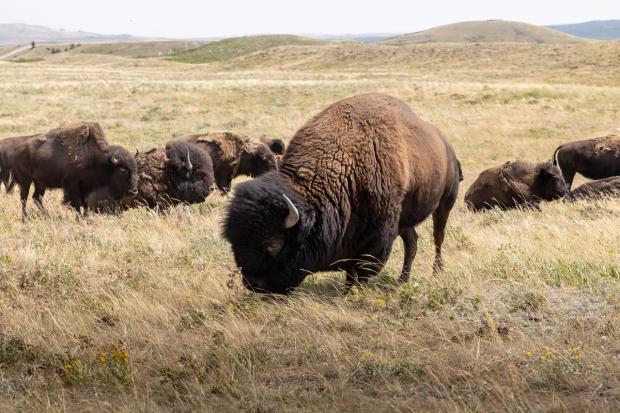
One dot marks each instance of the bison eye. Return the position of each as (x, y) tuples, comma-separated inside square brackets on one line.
[(274, 247)]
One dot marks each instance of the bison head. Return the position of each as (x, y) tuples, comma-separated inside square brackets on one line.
[(549, 183), (257, 161), (268, 225), (124, 172), (276, 145), (192, 171)]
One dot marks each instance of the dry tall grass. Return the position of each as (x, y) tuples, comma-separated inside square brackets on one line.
[(144, 312)]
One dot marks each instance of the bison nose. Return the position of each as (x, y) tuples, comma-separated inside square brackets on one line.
[(133, 191)]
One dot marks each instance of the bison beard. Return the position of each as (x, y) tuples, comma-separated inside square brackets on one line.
[(180, 173), (356, 176)]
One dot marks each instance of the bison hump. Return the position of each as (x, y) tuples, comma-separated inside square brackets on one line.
[(607, 145), (82, 141)]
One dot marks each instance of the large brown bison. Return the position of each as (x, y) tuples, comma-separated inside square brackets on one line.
[(360, 173), (514, 184), (180, 173), (76, 158), (7, 151), (593, 158), (233, 154), (596, 189)]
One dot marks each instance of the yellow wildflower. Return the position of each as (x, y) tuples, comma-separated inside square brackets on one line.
[(101, 357), (367, 355), (230, 307), (68, 367), (528, 353), (380, 302), (120, 355)]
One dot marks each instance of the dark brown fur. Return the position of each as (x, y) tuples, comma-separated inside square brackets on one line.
[(515, 184), (7, 151), (276, 145), (166, 179), (608, 187), (593, 158), (76, 158), (233, 154), (362, 172)]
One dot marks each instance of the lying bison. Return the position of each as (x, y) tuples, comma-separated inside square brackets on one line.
[(233, 154), (514, 184), (596, 189), (593, 158), (276, 145), (7, 152), (180, 173), (360, 173), (76, 158)]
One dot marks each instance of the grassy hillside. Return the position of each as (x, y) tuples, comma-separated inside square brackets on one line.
[(485, 32), (600, 29), (228, 49), (146, 312)]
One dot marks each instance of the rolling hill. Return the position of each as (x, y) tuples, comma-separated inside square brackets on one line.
[(15, 33), (599, 29), (488, 31), (228, 49)]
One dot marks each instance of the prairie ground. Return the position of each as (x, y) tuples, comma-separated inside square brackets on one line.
[(145, 312)]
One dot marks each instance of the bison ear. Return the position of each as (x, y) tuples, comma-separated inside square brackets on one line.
[(137, 152), (543, 172)]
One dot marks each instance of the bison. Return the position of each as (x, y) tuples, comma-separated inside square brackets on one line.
[(596, 189), (76, 158), (593, 158), (276, 145), (180, 173), (360, 173), (7, 151), (233, 154), (514, 184)]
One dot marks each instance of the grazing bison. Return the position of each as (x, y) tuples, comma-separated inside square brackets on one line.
[(596, 189), (593, 158), (180, 173), (276, 145), (76, 158), (233, 154), (360, 173), (7, 151), (514, 184)]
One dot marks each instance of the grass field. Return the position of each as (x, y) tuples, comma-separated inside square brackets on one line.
[(145, 312)]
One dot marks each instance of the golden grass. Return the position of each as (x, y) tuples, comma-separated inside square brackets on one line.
[(144, 312)]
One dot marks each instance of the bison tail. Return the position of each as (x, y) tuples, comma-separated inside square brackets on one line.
[(461, 177), (555, 155)]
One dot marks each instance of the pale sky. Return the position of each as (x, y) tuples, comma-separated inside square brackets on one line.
[(193, 19)]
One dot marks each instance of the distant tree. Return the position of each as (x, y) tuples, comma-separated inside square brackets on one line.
[(33, 45)]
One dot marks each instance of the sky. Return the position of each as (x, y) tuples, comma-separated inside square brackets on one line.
[(203, 19)]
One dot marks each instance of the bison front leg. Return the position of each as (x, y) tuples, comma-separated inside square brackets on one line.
[(410, 246), (74, 196)]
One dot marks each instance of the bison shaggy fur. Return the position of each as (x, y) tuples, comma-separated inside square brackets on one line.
[(233, 154), (76, 158), (608, 187), (593, 158), (180, 173), (360, 173), (276, 145), (514, 184)]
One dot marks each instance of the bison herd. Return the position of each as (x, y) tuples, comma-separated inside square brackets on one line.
[(355, 177)]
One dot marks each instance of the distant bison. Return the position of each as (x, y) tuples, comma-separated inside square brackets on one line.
[(76, 158), (233, 154), (360, 173), (276, 145), (514, 184), (593, 158), (180, 173), (7, 152), (596, 189)]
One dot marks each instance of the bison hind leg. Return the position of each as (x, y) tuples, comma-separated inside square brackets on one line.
[(440, 219), (24, 189)]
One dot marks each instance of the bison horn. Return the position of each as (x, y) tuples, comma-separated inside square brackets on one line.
[(293, 214), (189, 162), (114, 159)]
